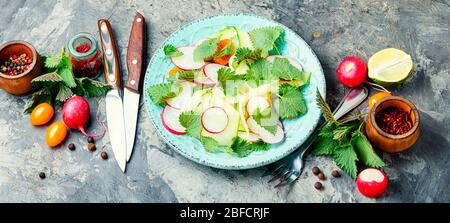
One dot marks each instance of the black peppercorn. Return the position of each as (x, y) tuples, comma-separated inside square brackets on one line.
[(71, 146), (104, 155), (318, 186), (321, 176), (335, 173), (91, 147), (315, 170), (42, 175)]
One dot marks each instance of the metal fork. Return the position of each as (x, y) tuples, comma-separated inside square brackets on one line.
[(290, 168)]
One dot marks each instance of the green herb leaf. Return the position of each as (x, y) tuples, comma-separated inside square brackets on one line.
[(93, 88), (260, 72), (206, 49), (64, 93), (324, 146), (264, 38), (187, 75), (285, 70), (326, 111), (266, 119), (171, 51), (160, 92), (247, 55), (345, 157), (190, 120), (243, 148), (365, 151), (343, 132), (52, 61), (212, 146), (291, 103), (65, 71), (41, 96), (46, 80)]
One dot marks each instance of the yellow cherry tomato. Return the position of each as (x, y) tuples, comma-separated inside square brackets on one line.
[(377, 97), (42, 114), (56, 133)]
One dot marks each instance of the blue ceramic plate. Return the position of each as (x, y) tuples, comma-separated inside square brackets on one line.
[(296, 130)]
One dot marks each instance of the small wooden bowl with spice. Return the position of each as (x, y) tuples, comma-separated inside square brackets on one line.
[(19, 64), (393, 124)]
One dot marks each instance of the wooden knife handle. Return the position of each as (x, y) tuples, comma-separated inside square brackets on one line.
[(110, 55), (135, 52)]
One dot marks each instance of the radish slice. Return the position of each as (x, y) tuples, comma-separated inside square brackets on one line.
[(292, 61), (214, 120), (210, 70), (265, 135), (248, 136), (186, 61), (183, 98), (255, 103), (170, 120)]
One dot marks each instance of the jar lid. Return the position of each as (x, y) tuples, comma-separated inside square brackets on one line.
[(79, 39)]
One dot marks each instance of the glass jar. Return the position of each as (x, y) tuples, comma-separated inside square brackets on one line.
[(85, 55)]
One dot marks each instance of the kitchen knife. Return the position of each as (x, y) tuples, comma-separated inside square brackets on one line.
[(131, 93), (114, 106)]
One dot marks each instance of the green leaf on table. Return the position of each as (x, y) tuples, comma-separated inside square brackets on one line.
[(345, 157), (365, 151), (206, 49), (41, 96), (46, 80), (190, 120), (65, 71), (159, 93), (92, 87), (324, 108), (265, 38), (243, 148), (171, 51), (64, 93), (52, 61), (291, 102)]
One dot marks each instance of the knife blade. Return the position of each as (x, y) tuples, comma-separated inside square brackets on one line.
[(114, 105), (131, 91)]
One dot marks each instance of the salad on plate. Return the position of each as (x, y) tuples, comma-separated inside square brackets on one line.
[(231, 90)]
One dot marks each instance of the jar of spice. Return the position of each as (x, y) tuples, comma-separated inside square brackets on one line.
[(85, 55)]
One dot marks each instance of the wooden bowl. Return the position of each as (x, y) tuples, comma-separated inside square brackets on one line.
[(389, 142), (19, 84)]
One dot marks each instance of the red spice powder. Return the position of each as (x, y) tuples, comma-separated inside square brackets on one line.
[(394, 120)]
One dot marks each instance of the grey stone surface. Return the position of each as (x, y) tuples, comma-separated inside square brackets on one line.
[(157, 173)]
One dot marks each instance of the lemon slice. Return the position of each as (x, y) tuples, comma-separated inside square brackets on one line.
[(390, 66)]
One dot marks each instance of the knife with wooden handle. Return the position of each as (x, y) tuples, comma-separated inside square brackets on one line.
[(132, 88), (114, 105)]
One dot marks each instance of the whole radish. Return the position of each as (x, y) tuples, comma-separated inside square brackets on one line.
[(372, 182), (75, 114), (352, 71)]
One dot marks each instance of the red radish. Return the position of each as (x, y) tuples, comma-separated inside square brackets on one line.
[(292, 61), (75, 114), (203, 80), (214, 120), (265, 135), (186, 61), (257, 102), (170, 120), (183, 97), (352, 71), (372, 183), (248, 136), (210, 70)]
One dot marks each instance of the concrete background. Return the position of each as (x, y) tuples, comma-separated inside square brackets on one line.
[(158, 174)]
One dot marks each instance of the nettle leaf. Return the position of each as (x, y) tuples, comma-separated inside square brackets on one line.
[(243, 148), (190, 120), (65, 71), (265, 38), (247, 55), (52, 61), (260, 72), (93, 88), (64, 93), (212, 146), (266, 119), (291, 102), (227, 50), (38, 97), (365, 151), (160, 92), (46, 80), (345, 157), (171, 51), (206, 49), (285, 70)]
